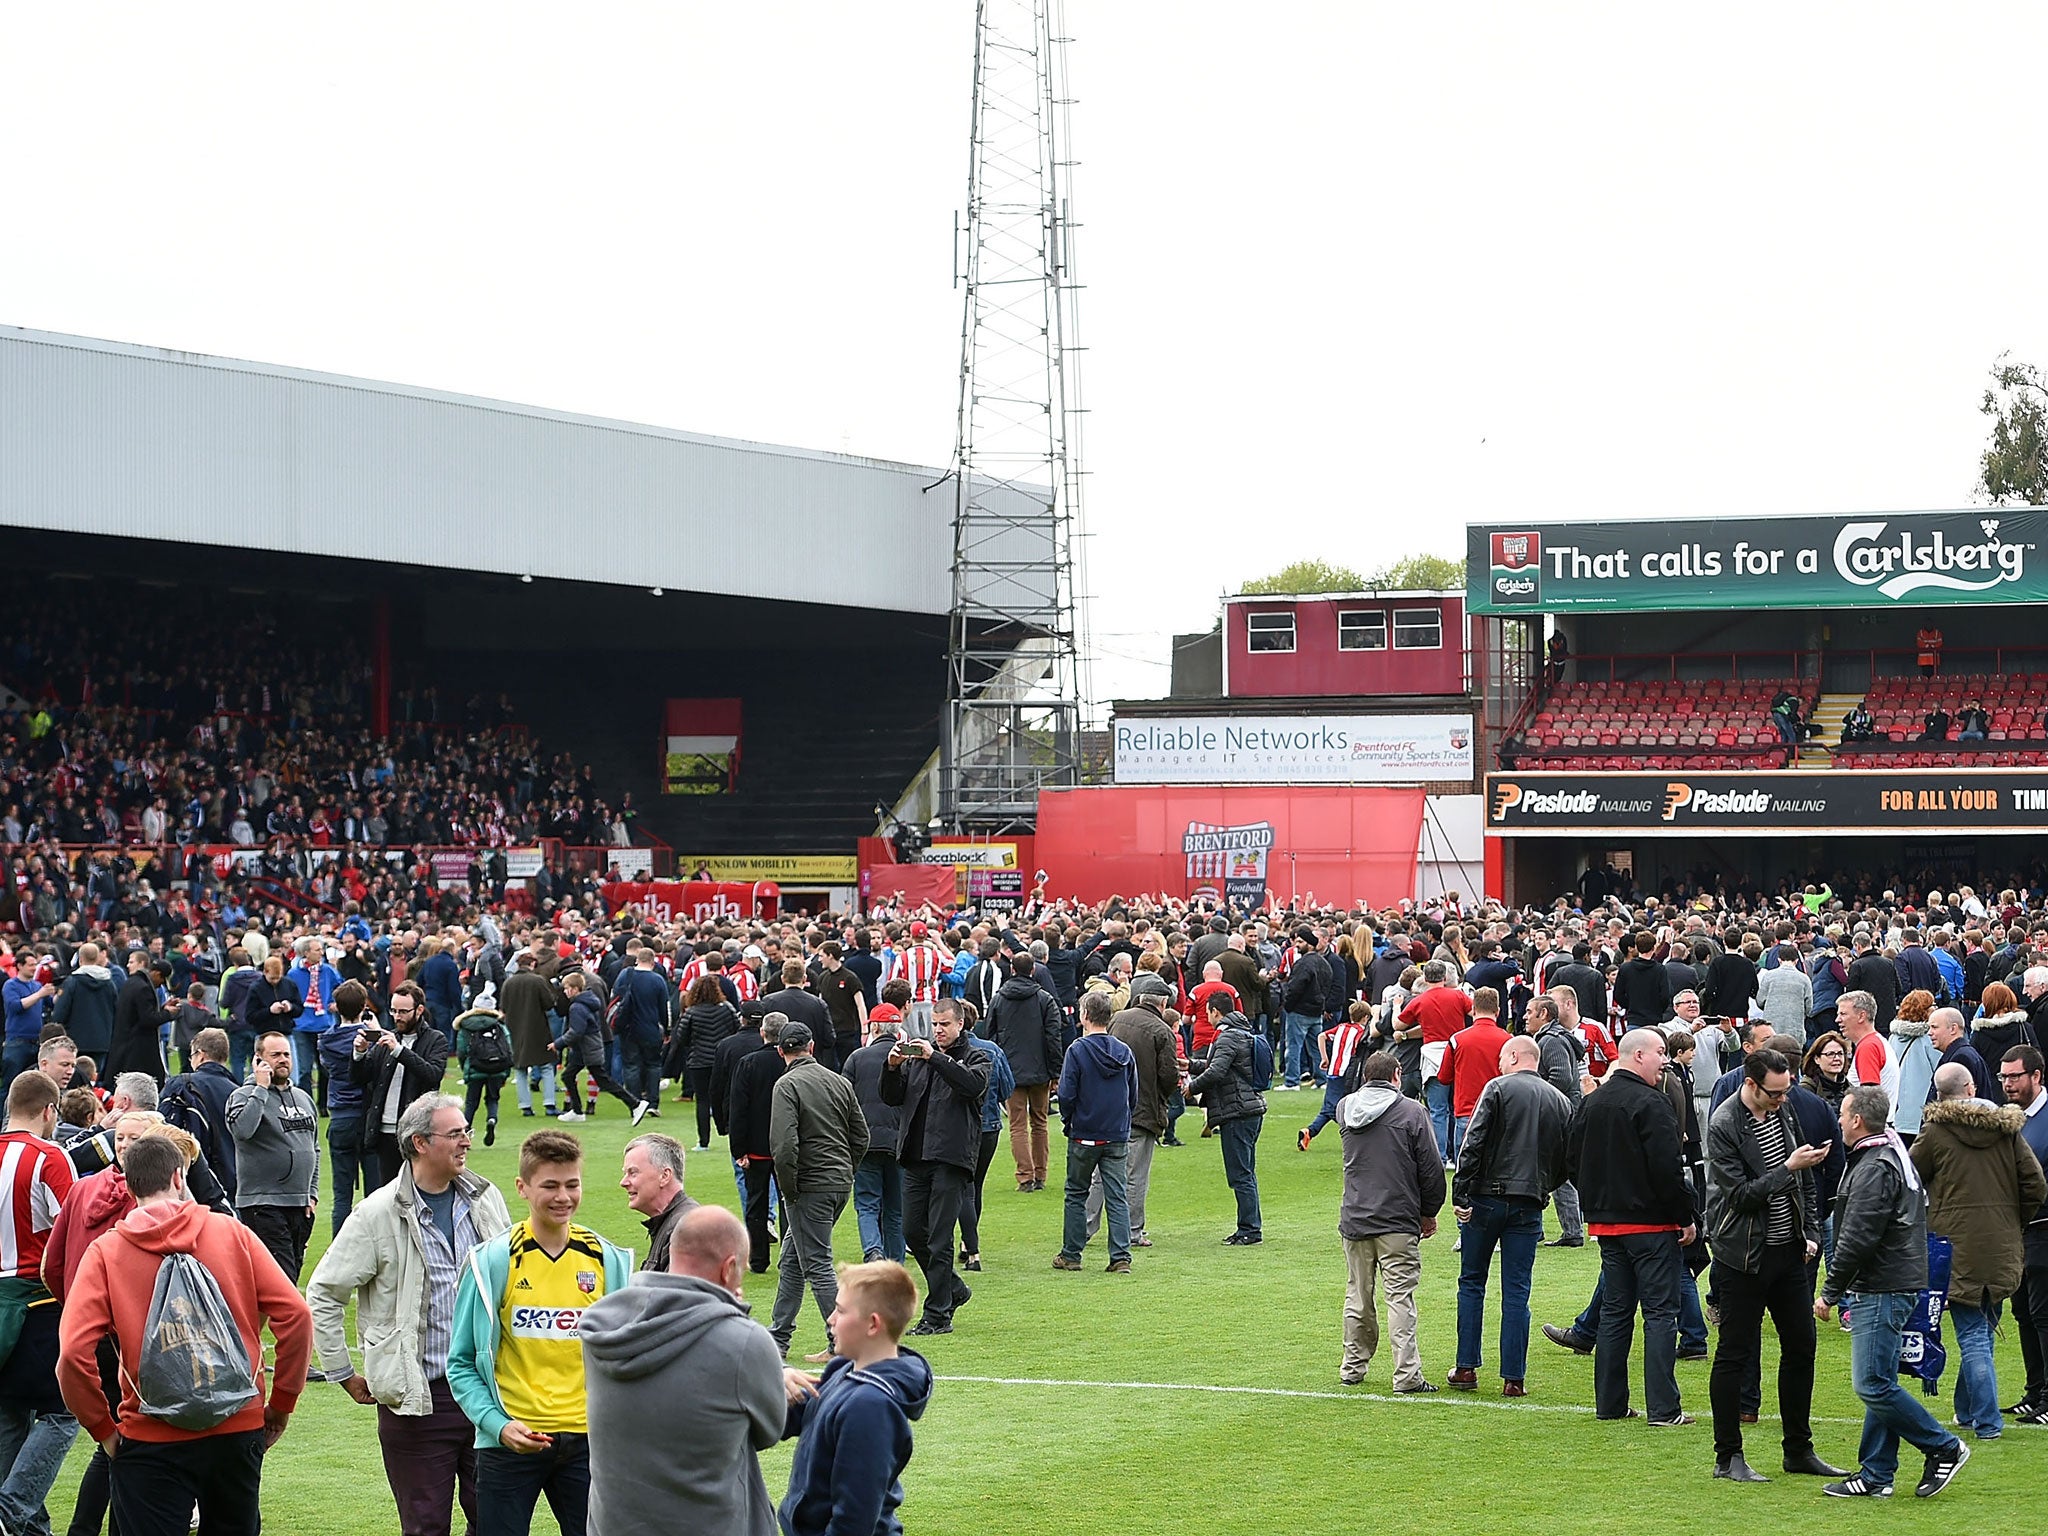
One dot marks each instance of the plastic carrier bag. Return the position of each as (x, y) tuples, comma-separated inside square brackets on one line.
[(1921, 1353), (193, 1371)]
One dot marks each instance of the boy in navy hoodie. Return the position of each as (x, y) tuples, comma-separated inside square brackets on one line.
[(856, 1427)]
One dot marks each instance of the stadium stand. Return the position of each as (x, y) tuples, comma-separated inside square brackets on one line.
[(1714, 723), (1902, 711)]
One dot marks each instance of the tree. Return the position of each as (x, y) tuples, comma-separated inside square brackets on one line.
[(2015, 466), (1307, 576), (1422, 573)]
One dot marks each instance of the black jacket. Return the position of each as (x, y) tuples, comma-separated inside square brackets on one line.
[(137, 1017), (1642, 989), (422, 1056), (732, 1050), (1741, 1184), (85, 1007), (864, 1069), (1873, 973), (584, 1041), (1515, 1142), (1624, 1154), (1025, 1021), (938, 1101), (1880, 1227), (1588, 983), (1730, 986), (809, 1010), (205, 1090), (751, 1103), (1226, 1086), (702, 1027), (1307, 985)]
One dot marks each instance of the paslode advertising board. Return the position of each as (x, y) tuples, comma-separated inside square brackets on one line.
[(1679, 804), (1875, 560), (1293, 749)]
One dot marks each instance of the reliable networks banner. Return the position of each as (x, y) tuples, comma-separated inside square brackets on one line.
[(1917, 559)]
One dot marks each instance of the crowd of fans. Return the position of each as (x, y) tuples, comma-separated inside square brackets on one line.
[(353, 1017), (260, 731)]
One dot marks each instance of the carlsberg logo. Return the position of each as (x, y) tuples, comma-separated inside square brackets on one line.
[(1905, 564)]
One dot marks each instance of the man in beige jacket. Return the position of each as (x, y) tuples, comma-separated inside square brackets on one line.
[(399, 1256)]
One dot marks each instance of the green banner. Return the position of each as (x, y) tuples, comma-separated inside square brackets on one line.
[(1864, 560)]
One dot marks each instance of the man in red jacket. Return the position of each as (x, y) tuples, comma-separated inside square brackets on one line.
[(160, 1471)]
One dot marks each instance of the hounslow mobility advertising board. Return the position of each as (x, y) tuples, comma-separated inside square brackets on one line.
[(1844, 801), (1873, 560)]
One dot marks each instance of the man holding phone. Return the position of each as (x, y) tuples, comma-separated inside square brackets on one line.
[(1763, 1220), (937, 1087), (394, 1067)]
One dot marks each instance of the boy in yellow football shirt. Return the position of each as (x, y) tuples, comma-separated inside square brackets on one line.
[(515, 1363)]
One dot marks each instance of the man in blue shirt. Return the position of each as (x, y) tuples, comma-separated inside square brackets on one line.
[(26, 995)]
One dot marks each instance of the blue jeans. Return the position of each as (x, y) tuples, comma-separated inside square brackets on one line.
[(523, 1086), (1516, 1227), (32, 1450), (1112, 1160), (1458, 1124), (16, 1057), (305, 1056), (1641, 1269), (509, 1484), (878, 1205), (640, 1063), (1890, 1412), (1301, 1028), (241, 1047), (1438, 1096), (1692, 1322), (1976, 1372), (345, 1155), (1241, 1167), (1333, 1090)]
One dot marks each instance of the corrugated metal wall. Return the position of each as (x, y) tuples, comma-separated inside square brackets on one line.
[(96, 437)]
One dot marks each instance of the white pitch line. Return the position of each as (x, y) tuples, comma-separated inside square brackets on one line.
[(1443, 1398)]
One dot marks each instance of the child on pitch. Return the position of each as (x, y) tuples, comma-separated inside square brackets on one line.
[(855, 1428)]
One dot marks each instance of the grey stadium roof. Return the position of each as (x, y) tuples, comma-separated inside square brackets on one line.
[(102, 437)]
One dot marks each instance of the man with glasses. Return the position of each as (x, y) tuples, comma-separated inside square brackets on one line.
[(1763, 1218), (394, 1067), (2019, 1074), (399, 1255)]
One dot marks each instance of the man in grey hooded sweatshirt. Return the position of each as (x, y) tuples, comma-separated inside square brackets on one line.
[(1393, 1189), (680, 1351)]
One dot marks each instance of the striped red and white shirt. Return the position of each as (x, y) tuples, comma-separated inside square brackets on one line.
[(35, 1176), (744, 983), (922, 966), (1343, 1042)]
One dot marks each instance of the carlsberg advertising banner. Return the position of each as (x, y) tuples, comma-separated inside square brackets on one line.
[(1863, 560)]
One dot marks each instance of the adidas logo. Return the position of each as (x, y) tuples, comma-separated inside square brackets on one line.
[(524, 1284)]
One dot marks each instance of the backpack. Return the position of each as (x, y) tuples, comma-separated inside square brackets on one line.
[(1262, 1062), (193, 1369), (490, 1049)]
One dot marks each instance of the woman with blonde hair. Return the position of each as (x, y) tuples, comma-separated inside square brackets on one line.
[(1915, 1056)]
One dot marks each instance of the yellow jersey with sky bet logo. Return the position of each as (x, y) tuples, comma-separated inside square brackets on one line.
[(540, 1358)]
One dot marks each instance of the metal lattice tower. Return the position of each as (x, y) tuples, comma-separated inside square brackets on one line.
[(1016, 683)]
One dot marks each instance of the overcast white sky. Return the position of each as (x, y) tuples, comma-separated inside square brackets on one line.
[(1357, 273)]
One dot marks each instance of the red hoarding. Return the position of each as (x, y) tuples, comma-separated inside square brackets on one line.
[(696, 901), (1338, 845)]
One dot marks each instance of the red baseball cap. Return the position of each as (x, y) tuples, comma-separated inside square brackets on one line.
[(917, 930)]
